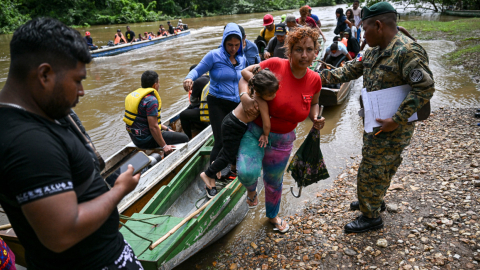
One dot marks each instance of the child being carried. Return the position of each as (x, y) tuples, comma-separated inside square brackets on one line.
[(262, 87)]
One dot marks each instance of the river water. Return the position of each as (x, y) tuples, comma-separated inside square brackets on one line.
[(110, 79)]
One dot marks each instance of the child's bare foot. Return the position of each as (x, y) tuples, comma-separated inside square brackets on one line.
[(207, 180)]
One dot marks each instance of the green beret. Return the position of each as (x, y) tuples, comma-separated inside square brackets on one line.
[(377, 9)]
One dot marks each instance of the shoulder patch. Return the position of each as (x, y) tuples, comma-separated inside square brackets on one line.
[(416, 75)]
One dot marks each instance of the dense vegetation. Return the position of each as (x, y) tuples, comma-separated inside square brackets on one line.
[(14, 13)]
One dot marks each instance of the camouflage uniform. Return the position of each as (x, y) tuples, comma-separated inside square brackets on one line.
[(402, 62)]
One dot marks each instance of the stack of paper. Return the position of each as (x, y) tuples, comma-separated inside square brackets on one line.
[(383, 104)]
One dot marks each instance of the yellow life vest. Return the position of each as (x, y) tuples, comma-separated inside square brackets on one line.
[(133, 100), (203, 104)]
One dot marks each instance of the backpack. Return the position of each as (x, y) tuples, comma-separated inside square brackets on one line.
[(204, 117), (110, 43), (261, 42)]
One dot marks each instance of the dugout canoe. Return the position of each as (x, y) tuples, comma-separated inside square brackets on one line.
[(118, 49), (463, 13), (150, 182), (177, 200)]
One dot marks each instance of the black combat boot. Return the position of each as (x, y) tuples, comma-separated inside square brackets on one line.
[(356, 206), (364, 224)]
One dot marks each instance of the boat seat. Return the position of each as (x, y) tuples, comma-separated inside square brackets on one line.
[(177, 146)]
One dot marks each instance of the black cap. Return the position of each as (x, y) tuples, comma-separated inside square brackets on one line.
[(280, 29), (118, 30)]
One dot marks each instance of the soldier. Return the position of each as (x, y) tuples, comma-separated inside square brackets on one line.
[(392, 60)]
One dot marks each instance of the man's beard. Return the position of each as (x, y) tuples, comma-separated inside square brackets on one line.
[(58, 107)]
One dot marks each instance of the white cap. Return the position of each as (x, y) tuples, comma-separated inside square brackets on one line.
[(180, 20)]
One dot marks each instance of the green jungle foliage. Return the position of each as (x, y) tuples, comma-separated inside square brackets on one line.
[(14, 13), (435, 5)]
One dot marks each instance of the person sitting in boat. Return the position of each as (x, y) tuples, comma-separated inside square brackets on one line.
[(308, 21), (262, 87), (335, 53), (119, 38), (145, 36), (352, 44), (292, 23), (275, 47), (171, 29), (142, 117), (191, 116), (140, 38), (130, 35), (89, 41), (161, 31)]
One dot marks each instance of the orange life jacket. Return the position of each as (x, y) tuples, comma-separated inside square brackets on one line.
[(118, 38), (345, 42)]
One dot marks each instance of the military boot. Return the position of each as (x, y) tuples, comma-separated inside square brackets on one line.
[(364, 224), (356, 206)]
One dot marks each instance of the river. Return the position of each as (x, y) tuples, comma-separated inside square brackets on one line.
[(110, 79)]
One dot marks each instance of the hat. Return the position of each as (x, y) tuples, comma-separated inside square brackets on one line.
[(180, 20), (283, 17), (168, 22), (309, 7), (267, 20), (346, 33), (118, 30), (377, 9), (87, 33), (280, 29)]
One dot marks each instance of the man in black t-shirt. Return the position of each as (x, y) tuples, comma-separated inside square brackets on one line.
[(171, 30), (130, 35), (52, 192)]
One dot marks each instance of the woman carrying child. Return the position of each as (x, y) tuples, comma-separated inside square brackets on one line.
[(262, 88), (296, 99)]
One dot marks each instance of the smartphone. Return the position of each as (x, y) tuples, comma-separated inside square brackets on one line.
[(138, 161)]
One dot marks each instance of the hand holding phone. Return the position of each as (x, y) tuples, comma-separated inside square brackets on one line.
[(127, 181)]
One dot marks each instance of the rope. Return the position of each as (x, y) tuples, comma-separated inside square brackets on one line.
[(139, 236)]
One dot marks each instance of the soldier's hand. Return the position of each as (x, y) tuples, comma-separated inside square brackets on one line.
[(387, 124)]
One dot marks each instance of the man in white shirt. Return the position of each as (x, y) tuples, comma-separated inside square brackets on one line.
[(357, 16), (335, 52)]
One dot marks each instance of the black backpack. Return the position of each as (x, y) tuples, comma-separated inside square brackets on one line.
[(261, 42)]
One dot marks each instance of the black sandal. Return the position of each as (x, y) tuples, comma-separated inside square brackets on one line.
[(252, 201)]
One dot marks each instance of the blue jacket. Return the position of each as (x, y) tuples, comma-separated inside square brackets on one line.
[(224, 77), (251, 53)]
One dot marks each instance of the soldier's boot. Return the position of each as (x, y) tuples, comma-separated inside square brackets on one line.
[(364, 224), (356, 206)]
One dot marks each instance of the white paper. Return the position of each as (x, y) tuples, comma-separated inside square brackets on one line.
[(383, 104)]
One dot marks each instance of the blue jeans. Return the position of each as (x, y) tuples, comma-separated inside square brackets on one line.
[(359, 31)]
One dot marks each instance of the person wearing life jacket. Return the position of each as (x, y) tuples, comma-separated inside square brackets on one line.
[(142, 117), (196, 115), (119, 38)]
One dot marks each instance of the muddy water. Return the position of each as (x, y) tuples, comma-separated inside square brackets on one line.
[(110, 79)]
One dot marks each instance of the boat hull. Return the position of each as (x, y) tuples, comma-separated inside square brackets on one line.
[(334, 97), (133, 46)]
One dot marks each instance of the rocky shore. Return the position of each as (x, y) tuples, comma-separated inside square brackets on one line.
[(432, 218)]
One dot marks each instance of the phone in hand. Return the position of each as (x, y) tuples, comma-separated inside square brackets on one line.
[(138, 161)]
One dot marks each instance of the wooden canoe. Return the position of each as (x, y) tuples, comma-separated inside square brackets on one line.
[(118, 49), (177, 200), (150, 182)]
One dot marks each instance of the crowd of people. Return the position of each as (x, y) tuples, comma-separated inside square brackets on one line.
[(50, 168), (130, 37)]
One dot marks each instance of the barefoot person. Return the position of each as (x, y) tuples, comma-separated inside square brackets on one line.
[(62, 211), (297, 98), (263, 87), (392, 60)]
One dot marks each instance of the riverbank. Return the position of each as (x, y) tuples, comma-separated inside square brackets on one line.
[(431, 221), (465, 33)]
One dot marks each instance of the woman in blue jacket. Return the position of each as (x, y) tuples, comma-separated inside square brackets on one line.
[(224, 65)]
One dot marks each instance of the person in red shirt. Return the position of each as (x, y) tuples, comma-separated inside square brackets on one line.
[(305, 20), (296, 99)]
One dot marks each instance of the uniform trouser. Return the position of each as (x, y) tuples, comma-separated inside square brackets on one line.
[(380, 161), (273, 158)]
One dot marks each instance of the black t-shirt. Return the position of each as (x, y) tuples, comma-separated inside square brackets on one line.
[(197, 89), (171, 30), (39, 158), (129, 35)]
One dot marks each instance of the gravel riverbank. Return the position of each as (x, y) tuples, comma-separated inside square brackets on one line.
[(432, 218)]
